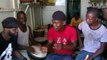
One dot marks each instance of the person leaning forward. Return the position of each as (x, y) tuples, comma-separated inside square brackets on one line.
[(8, 40)]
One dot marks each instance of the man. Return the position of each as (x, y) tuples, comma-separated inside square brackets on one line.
[(25, 37), (76, 20), (94, 37), (8, 40), (61, 38)]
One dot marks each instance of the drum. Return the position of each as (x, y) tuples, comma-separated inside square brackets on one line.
[(24, 53), (38, 55), (41, 40), (39, 33)]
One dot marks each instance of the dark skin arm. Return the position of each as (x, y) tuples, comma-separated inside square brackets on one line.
[(31, 42), (98, 52), (15, 46), (50, 46), (71, 46), (31, 37), (19, 55), (79, 39)]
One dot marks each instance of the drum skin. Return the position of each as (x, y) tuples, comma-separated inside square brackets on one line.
[(38, 55), (34, 57)]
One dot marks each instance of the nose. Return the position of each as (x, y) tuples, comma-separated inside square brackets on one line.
[(54, 24)]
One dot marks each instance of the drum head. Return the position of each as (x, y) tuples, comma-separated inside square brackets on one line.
[(38, 52)]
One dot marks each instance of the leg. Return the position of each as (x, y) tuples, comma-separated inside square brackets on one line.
[(81, 55), (52, 56), (96, 58), (15, 58), (67, 57)]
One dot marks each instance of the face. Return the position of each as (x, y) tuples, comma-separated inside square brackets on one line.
[(57, 24), (13, 31), (22, 18), (91, 18)]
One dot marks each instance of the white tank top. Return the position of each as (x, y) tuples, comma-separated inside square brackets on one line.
[(23, 37)]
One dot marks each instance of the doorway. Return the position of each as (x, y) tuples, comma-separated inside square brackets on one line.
[(73, 7)]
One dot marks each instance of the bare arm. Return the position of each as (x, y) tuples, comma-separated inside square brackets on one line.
[(72, 46), (18, 55), (99, 51), (50, 46), (47, 48), (79, 39), (31, 37)]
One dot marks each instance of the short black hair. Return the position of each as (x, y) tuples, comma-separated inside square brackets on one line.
[(93, 10), (58, 15), (21, 12), (10, 22), (98, 12)]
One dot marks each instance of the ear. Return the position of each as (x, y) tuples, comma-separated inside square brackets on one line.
[(64, 22)]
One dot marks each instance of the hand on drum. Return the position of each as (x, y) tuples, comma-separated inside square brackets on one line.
[(31, 49), (44, 49)]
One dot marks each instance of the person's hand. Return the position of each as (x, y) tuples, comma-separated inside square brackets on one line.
[(89, 58), (22, 58), (44, 49), (31, 49), (57, 46)]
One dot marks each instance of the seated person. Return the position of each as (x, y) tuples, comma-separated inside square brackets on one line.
[(8, 40), (95, 37), (76, 20), (25, 37), (24, 32), (61, 38)]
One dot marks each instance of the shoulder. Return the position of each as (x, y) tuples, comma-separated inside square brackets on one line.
[(80, 19), (83, 23), (70, 28), (73, 18), (28, 26), (51, 29), (103, 28)]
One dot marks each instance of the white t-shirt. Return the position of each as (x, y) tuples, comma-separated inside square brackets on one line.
[(93, 38)]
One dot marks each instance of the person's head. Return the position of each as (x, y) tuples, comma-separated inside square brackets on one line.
[(10, 25), (21, 16), (92, 16), (58, 19), (76, 16)]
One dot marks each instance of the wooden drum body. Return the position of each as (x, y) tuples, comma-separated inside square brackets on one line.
[(41, 40)]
